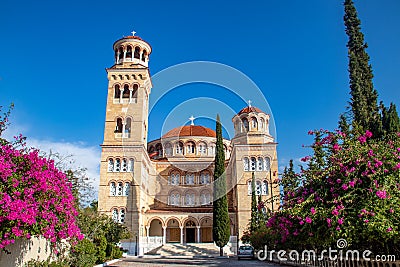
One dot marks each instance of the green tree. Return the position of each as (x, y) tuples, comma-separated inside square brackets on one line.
[(221, 222), (390, 119), (363, 100), (254, 210)]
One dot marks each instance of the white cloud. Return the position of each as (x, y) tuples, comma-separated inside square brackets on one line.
[(83, 155)]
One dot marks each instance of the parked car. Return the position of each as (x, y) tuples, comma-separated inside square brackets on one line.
[(245, 251)]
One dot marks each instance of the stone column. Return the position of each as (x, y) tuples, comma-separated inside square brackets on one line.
[(198, 233), (181, 234), (164, 234)]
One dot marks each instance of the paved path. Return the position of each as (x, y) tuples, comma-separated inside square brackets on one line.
[(181, 262)]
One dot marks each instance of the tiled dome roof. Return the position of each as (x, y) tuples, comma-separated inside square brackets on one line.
[(250, 109), (190, 130)]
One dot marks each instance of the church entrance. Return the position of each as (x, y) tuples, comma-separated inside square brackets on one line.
[(190, 235), (190, 232), (206, 230)]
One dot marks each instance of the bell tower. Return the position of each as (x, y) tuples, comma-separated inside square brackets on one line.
[(124, 149)]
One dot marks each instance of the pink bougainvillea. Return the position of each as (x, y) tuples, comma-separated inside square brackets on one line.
[(35, 198)]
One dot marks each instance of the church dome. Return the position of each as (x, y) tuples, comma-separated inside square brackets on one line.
[(190, 130), (250, 109)]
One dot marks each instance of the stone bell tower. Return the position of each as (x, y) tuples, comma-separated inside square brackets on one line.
[(253, 151), (124, 155)]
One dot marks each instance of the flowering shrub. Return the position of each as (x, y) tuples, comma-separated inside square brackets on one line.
[(350, 189), (35, 198)]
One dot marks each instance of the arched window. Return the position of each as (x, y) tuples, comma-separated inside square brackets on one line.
[(126, 189), (190, 148), (189, 199), (113, 189), (249, 189), (118, 127), (121, 53), (159, 150), (124, 165), (144, 55), (121, 218), (252, 164), (114, 215), (175, 178), (130, 165), (135, 91), (202, 149), (137, 52), (189, 179), (254, 124), (245, 124), (205, 198), (129, 52), (110, 165), (117, 166), (117, 91), (267, 164), (204, 178), (258, 188), (128, 125), (262, 124), (175, 199), (116, 56), (126, 92), (246, 164), (260, 164), (212, 149), (119, 189), (179, 148), (168, 149), (264, 189)]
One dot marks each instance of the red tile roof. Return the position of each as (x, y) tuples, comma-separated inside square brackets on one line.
[(250, 109), (190, 130)]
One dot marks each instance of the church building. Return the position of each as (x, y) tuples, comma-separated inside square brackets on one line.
[(162, 189)]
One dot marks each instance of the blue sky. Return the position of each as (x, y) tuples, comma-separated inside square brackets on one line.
[(53, 56)]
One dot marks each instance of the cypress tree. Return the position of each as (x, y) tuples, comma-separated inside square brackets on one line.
[(221, 222), (390, 120), (254, 210), (363, 101)]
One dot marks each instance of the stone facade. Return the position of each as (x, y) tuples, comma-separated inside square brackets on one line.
[(162, 190)]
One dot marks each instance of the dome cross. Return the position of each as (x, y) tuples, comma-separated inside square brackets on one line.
[(192, 120)]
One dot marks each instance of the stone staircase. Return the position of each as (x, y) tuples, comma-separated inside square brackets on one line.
[(189, 249)]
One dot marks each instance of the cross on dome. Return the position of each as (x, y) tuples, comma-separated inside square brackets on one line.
[(133, 33), (249, 103), (192, 120)]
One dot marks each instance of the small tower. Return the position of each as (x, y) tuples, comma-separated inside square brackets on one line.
[(251, 126), (124, 148), (253, 150)]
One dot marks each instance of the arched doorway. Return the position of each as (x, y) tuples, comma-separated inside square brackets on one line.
[(155, 228), (190, 231), (206, 230), (173, 231)]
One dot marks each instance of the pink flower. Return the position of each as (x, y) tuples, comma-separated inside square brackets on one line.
[(345, 187), (398, 166), (301, 222), (308, 220), (312, 210), (368, 134), (340, 221), (366, 221), (381, 194), (391, 210), (336, 147), (335, 212), (329, 221), (362, 139), (389, 229), (352, 183)]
